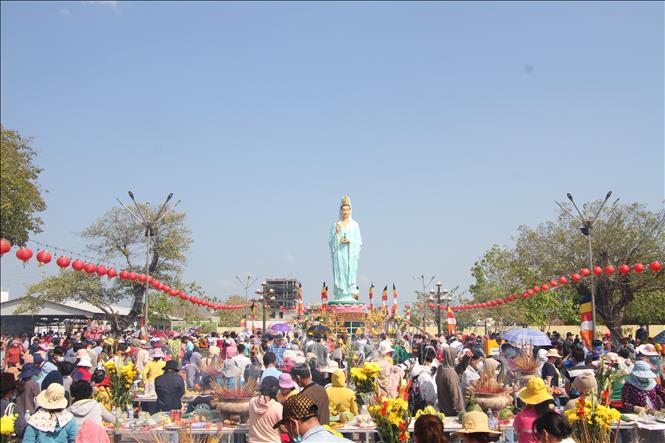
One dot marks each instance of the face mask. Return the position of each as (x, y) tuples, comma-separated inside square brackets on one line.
[(35, 377), (479, 366), (654, 360), (59, 359)]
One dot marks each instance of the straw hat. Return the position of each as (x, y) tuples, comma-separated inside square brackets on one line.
[(331, 368), (585, 382), (85, 362), (613, 358), (648, 349), (475, 422), (385, 349), (535, 392), (53, 397), (553, 353)]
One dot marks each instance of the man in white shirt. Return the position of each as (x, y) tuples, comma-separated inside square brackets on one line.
[(472, 372), (241, 360)]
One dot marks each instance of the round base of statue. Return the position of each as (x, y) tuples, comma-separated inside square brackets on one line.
[(346, 300)]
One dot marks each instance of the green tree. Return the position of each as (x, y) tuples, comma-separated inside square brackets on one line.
[(625, 234), (20, 195), (117, 236), (500, 273), (232, 317)]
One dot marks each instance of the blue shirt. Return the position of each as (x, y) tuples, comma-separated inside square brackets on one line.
[(279, 352), (320, 434), (271, 372)]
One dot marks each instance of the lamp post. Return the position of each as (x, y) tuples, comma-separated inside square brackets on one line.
[(266, 296), (150, 223), (587, 223), (446, 298), (249, 281)]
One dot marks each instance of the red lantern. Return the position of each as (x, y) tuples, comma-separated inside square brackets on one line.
[(89, 268), (609, 270), (624, 269), (530, 292), (553, 283), (638, 267), (544, 287), (124, 275), (101, 270), (655, 266), (142, 278), (536, 289), (111, 273), (585, 272), (597, 271), (563, 280), (24, 254), (78, 265), (5, 246), (576, 277), (173, 292), (43, 257), (63, 261), (132, 276), (524, 295), (154, 283), (161, 286)]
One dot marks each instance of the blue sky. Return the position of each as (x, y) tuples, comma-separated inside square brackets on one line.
[(448, 124)]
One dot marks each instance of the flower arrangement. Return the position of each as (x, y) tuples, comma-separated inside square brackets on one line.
[(121, 378), (606, 376), (391, 416), (7, 428), (174, 349), (591, 421), (364, 377), (429, 410)]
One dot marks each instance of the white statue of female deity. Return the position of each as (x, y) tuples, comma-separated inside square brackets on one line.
[(345, 244)]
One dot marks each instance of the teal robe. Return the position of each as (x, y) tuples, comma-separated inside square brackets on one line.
[(345, 261)]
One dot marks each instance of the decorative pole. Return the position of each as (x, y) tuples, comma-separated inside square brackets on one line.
[(451, 321), (299, 312), (384, 300), (324, 298), (371, 297), (394, 301)]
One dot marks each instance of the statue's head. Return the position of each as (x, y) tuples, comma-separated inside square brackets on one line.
[(345, 208)]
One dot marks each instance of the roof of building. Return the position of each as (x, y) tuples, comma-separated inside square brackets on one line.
[(51, 309)]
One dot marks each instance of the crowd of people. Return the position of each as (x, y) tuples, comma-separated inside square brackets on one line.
[(48, 380)]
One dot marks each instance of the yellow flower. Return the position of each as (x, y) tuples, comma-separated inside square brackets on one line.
[(7, 424)]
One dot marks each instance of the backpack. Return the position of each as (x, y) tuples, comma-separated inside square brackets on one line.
[(416, 401)]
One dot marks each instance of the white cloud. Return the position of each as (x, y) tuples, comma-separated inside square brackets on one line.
[(65, 12), (111, 4)]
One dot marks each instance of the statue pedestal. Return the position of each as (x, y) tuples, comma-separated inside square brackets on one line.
[(350, 316), (350, 300)]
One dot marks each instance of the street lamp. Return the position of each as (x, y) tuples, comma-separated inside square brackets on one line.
[(267, 295), (587, 223), (149, 223), (447, 298), (247, 283)]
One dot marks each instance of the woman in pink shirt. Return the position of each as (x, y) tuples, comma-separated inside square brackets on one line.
[(538, 400), (264, 412)]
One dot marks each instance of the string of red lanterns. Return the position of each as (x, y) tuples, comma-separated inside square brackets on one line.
[(624, 269), (44, 257)]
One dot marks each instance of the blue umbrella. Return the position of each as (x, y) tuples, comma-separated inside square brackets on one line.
[(526, 336), (660, 337), (280, 327)]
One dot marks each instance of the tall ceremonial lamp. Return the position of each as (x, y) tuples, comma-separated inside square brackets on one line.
[(150, 223), (587, 223)]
